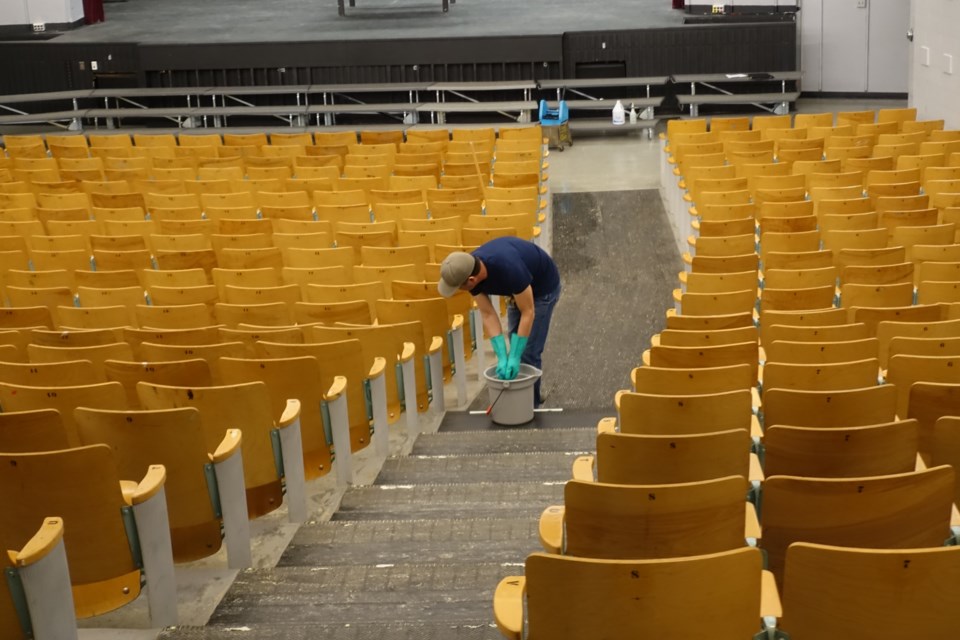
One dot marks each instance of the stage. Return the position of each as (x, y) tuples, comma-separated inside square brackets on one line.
[(183, 43)]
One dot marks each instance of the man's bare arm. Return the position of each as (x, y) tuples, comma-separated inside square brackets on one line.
[(491, 319), (524, 302)]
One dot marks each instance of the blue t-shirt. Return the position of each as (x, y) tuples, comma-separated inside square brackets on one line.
[(513, 265)]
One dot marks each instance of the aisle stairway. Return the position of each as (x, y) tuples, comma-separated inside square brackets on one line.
[(415, 555)]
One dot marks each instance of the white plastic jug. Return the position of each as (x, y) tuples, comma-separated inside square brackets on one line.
[(618, 114)]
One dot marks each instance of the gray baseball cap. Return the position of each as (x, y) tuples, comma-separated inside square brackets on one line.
[(456, 268)]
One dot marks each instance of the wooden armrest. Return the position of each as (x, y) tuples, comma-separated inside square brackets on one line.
[(645, 357), (633, 375), (954, 516), (751, 528), (607, 425), (616, 398), (338, 387), (551, 529), (769, 597), (508, 606), (227, 447), (457, 321), (409, 349), (128, 488), (755, 394), (755, 431), (756, 471), (436, 344), (151, 484), (42, 543), (379, 366), (290, 413), (583, 468), (676, 295), (536, 232)]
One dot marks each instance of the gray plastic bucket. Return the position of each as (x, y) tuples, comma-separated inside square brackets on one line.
[(512, 400)]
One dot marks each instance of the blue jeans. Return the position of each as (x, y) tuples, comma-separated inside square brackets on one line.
[(543, 309)]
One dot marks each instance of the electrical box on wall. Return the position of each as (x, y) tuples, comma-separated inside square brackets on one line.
[(861, 4)]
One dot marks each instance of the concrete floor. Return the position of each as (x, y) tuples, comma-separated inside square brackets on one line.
[(593, 165)]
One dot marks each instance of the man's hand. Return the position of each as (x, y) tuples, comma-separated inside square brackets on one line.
[(517, 344), (500, 349)]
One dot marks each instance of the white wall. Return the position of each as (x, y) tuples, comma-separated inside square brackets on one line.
[(13, 12), (934, 92), (845, 47), (28, 12)]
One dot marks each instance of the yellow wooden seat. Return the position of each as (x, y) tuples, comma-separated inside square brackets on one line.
[(567, 597), (66, 373), (698, 357), (896, 511), (174, 316), (799, 278), (814, 333), (841, 452), (834, 376), (297, 378), (211, 353), (352, 312), (96, 354), (77, 318), (287, 294), (817, 297), (599, 520), (105, 572), (175, 438), (248, 405), (873, 316), (31, 431), (647, 413), (869, 592), (887, 331), (267, 314), (397, 345), (817, 352), (344, 359), (432, 314), (629, 458), (194, 372)]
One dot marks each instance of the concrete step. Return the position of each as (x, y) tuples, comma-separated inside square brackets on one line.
[(506, 441), (512, 467), (434, 630), (449, 501), (382, 595), (334, 544)]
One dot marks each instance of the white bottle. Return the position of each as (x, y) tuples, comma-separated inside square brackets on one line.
[(633, 115), (618, 114)]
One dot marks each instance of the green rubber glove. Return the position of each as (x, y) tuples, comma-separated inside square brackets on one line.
[(500, 350), (517, 345)]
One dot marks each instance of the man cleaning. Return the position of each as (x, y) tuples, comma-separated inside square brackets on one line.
[(521, 270)]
